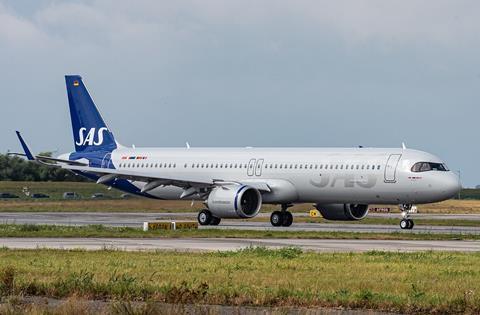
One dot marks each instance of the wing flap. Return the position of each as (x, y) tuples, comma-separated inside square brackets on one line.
[(107, 174)]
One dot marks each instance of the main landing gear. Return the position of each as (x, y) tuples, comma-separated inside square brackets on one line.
[(282, 218), (407, 210), (205, 217)]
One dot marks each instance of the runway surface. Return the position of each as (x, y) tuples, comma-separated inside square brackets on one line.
[(136, 219), (204, 244)]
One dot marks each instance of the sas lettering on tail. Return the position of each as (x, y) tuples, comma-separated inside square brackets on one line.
[(89, 139)]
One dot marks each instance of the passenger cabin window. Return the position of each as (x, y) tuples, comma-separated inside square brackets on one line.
[(429, 166)]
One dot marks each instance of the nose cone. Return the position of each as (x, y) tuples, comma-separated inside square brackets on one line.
[(451, 185)]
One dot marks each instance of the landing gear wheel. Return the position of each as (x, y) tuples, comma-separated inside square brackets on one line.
[(410, 224), (215, 221), (205, 217), (404, 224), (287, 219), (276, 218)]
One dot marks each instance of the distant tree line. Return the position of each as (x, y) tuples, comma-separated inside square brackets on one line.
[(14, 168)]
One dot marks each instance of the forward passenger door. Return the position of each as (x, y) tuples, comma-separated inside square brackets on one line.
[(391, 168)]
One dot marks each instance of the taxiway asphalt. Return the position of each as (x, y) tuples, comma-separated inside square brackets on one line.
[(136, 219), (221, 244)]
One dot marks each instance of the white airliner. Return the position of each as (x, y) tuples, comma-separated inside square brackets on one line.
[(235, 182)]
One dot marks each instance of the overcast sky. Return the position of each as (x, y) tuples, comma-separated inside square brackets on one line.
[(248, 73)]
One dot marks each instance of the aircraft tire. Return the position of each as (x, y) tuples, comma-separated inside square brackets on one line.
[(215, 221), (404, 224), (410, 224), (276, 218), (205, 217), (287, 218)]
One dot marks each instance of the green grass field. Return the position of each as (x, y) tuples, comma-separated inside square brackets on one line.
[(30, 230), (421, 283), (56, 189)]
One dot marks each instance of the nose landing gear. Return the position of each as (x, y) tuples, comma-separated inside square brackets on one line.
[(407, 224), (407, 211)]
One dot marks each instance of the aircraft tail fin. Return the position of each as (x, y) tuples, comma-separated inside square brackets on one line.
[(90, 132)]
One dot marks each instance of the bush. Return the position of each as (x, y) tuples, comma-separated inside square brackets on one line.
[(13, 168)]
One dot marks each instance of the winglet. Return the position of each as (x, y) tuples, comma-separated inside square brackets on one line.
[(25, 147)]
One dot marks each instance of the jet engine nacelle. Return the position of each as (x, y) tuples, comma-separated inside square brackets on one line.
[(343, 212), (234, 201)]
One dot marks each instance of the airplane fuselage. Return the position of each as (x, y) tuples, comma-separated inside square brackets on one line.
[(297, 175)]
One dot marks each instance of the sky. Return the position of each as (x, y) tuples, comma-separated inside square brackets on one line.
[(248, 73)]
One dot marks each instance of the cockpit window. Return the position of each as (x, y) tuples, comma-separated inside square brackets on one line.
[(429, 166)]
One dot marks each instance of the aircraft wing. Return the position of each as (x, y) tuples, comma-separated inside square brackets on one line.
[(153, 181), (108, 174)]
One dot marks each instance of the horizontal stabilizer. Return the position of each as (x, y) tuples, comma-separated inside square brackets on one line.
[(39, 158)]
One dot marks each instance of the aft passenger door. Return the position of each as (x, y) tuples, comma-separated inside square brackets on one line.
[(391, 168)]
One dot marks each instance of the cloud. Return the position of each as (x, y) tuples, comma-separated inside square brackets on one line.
[(304, 72), (15, 30), (440, 22)]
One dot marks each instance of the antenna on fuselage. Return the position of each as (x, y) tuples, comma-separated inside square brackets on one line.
[(187, 144), (404, 146)]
